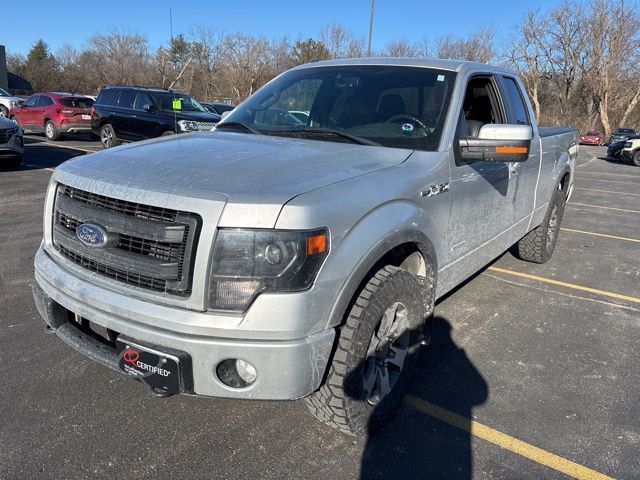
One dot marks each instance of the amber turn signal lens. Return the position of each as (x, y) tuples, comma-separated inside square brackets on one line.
[(512, 149), (316, 244)]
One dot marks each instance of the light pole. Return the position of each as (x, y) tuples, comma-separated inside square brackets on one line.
[(370, 28)]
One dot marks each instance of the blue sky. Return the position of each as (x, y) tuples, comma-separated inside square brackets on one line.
[(74, 22)]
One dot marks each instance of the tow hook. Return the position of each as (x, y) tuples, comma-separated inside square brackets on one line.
[(157, 393)]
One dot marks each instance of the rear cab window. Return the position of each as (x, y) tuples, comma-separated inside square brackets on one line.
[(518, 113)]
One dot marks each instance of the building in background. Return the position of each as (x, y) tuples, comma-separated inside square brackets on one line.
[(4, 79)]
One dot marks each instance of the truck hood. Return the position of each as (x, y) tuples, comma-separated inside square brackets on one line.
[(249, 170)]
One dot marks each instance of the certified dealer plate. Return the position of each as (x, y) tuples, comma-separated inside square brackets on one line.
[(166, 372)]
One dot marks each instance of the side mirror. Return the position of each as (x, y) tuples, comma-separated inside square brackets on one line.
[(224, 114), (149, 108), (497, 143)]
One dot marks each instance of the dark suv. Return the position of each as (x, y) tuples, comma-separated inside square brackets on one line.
[(134, 113)]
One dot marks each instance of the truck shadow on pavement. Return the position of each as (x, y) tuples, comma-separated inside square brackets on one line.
[(416, 445)]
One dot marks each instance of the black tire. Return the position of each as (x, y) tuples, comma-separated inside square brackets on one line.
[(50, 131), (537, 246), (108, 136), (636, 158), (343, 401), (11, 163), (4, 111)]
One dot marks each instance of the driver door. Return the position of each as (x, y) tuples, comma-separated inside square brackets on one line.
[(482, 206)]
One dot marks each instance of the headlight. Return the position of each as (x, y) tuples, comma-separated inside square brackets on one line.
[(247, 263), (627, 145), (188, 126), (14, 103)]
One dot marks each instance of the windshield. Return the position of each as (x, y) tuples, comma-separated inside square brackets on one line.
[(172, 102), (403, 107), (3, 93)]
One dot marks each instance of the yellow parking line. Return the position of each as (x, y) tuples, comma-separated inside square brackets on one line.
[(600, 235), (607, 191), (596, 291), (606, 208), (505, 441)]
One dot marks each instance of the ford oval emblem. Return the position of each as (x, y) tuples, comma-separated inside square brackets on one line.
[(91, 235)]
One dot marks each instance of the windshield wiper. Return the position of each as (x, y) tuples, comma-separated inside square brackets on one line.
[(328, 131), (240, 126)]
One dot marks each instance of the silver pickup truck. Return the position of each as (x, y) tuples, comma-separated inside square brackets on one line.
[(300, 255)]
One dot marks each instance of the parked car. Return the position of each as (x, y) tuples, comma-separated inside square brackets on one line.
[(7, 102), (622, 134), (614, 150), (591, 138), (218, 108), (128, 114), (273, 259), (631, 151), (11, 144), (54, 114)]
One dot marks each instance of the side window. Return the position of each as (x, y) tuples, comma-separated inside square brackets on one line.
[(518, 114), (32, 101), (481, 105), (108, 97), (44, 101), (141, 100), (126, 99)]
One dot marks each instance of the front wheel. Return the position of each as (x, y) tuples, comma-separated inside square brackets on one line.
[(636, 159), (375, 354), (4, 111), (538, 245)]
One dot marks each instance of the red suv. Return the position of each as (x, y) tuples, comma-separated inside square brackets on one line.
[(54, 114)]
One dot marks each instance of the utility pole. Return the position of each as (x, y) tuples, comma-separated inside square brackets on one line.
[(370, 28), (170, 24)]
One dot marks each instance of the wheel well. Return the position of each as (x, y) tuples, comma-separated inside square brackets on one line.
[(564, 183)]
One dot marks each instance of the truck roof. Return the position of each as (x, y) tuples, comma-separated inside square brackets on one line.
[(452, 65)]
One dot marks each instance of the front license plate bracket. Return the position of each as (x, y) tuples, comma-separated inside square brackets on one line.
[(165, 371)]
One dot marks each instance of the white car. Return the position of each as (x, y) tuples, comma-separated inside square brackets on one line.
[(631, 151), (7, 102)]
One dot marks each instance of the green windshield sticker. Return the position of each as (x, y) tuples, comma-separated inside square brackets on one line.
[(177, 104), (441, 78)]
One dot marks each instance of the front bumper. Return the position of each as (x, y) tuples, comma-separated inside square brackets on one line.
[(286, 369)]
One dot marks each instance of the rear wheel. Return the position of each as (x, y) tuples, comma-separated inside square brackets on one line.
[(636, 158), (375, 354), (108, 136), (538, 245), (4, 111), (50, 131)]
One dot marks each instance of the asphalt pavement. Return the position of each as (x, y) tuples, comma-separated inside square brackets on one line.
[(532, 372)]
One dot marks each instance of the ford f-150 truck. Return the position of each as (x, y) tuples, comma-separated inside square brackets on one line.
[(280, 259)]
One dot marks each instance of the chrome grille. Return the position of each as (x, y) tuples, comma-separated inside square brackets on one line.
[(7, 133), (149, 247), (205, 126)]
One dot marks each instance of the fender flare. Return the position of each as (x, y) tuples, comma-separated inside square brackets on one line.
[(368, 261)]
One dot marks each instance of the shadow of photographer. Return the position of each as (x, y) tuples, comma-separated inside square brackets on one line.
[(416, 445)]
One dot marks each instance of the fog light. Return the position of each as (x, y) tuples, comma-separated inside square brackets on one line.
[(246, 371), (236, 373)]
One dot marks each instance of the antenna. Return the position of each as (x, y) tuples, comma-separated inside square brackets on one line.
[(170, 24), (370, 28)]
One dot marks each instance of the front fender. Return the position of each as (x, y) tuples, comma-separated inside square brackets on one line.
[(377, 233)]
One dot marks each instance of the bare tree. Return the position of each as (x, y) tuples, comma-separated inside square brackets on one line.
[(477, 47), (401, 48)]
